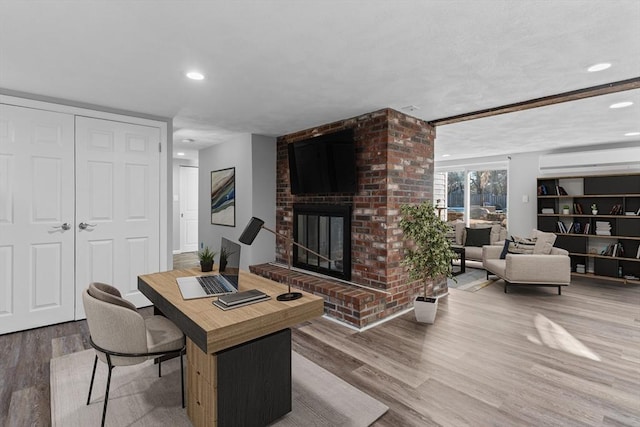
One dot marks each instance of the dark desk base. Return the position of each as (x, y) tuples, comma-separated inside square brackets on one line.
[(254, 381)]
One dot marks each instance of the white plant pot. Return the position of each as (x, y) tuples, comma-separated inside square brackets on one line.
[(595, 212), (425, 311), (565, 211)]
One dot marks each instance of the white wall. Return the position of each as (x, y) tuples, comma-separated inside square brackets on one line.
[(176, 198), (522, 199), (254, 157)]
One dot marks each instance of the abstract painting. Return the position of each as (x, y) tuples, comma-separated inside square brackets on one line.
[(223, 197)]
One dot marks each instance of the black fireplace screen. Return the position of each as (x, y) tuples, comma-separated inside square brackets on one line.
[(325, 229)]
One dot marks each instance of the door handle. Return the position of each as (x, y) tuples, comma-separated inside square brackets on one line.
[(65, 226), (84, 225)]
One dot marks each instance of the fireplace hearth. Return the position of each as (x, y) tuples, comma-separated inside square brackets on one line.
[(325, 229)]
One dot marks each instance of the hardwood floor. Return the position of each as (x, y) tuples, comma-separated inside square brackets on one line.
[(527, 358)]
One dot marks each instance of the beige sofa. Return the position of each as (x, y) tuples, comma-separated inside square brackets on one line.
[(474, 253), (553, 269)]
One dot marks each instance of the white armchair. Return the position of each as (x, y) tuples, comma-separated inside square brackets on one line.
[(528, 269)]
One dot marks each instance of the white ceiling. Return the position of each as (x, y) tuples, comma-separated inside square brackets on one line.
[(273, 67)]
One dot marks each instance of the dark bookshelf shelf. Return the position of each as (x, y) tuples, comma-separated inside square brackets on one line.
[(605, 257), (610, 193), (613, 279)]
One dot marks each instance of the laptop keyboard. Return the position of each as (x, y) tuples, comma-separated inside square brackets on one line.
[(212, 284)]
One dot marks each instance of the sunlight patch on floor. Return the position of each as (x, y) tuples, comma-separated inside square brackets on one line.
[(555, 336)]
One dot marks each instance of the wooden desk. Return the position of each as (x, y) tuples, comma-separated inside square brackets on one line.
[(236, 358)]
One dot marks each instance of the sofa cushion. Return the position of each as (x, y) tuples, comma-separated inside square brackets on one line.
[(477, 237), (521, 245), (544, 242), (473, 253)]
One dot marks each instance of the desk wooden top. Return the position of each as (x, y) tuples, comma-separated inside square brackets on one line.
[(213, 329)]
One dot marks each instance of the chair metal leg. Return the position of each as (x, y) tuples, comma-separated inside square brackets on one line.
[(182, 377), (159, 359), (93, 376), (559, 290), (106, 394)]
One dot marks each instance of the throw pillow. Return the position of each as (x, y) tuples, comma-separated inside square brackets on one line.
[(505, 249), (477, 237), (521, 245), (544, 243)]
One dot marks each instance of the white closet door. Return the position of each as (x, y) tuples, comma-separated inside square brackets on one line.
[(36, 199), (188, 209), (118, 205)]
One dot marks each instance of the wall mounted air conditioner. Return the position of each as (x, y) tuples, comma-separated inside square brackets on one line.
[(614, 159)]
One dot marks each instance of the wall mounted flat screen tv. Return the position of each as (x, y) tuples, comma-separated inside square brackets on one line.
[(323, 164)]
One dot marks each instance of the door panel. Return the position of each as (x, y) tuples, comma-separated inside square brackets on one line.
[(118, 196), (188, 209), (36, 198)]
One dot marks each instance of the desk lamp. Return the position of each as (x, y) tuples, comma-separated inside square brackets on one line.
[(248, 236)]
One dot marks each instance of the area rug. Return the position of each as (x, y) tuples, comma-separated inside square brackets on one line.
[(139, 398), (472, 280)]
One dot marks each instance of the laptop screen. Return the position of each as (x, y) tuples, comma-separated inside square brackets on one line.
[(229, 261)]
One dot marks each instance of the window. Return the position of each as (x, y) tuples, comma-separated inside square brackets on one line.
[(486, 201), (488, 196)]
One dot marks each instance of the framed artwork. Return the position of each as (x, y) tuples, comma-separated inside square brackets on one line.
[(223, 197)]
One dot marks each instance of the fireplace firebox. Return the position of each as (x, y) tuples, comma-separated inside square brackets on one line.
[(325, 229)]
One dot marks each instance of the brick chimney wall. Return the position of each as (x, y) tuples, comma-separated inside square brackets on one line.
[(394, 154)]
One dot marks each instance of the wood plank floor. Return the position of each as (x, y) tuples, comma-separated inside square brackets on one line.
[(527, 358)]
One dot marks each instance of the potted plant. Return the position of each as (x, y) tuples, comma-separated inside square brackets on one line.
[(206, 259), (224, 258), (594, 209), (565, 210), (428, 254)]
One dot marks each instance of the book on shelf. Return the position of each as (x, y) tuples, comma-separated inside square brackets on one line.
[(638, 253), (561, 191), (616, 210), (586, 228), (542, 190), (548, 211), (561, 227), (614, 250), (577, 208), (577, 228)]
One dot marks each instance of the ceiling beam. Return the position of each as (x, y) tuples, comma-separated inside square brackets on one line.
[(574, 95)]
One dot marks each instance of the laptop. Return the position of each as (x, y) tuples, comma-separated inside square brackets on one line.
[(216, 284)]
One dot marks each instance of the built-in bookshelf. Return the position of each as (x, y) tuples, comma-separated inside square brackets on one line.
[(603, 244)]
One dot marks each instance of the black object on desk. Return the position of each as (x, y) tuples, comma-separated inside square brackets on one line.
[(239, 299)]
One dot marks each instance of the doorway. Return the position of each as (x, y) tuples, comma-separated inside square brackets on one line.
[(188, 208)]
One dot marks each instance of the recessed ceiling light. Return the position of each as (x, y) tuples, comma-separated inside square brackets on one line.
[(621, 104), (632, 134), (188, 140), (194, 75), (598, 67), (180, 154), (446, 155)]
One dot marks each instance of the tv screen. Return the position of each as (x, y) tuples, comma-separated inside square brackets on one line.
[(324, 164)]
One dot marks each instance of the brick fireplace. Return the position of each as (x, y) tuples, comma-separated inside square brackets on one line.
[(394, 157)]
